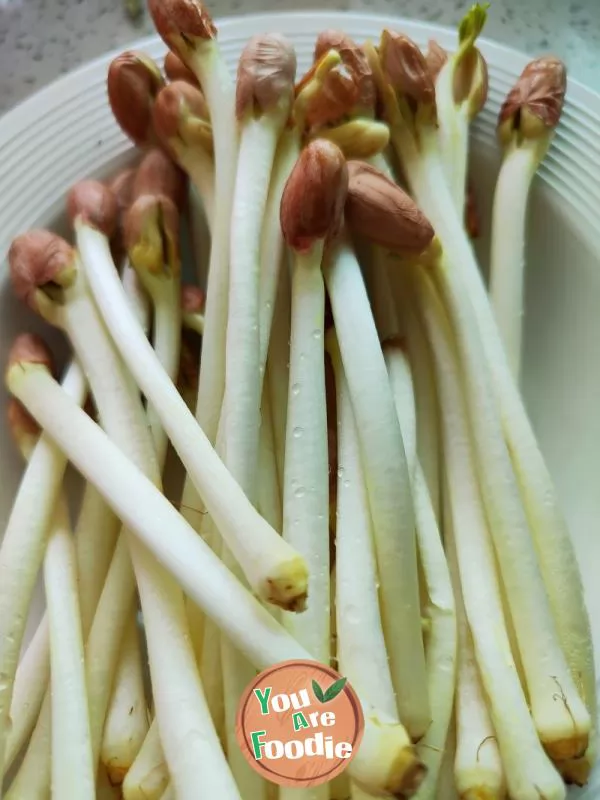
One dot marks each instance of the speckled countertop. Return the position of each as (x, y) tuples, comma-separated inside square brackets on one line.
[(41, 39)]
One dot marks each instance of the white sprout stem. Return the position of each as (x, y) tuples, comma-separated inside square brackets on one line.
[(381, 295), (441, 641), (453, 133), (126, 724), (525, 762), (104, 641), (198, 230), (388, 484), (119, 404), (147, 513), (73, 772), (202, 176), (211, 672), (22, 552), (512, 636), (433, 196), (269, 493), (277, 374), (384, 309), (238, 673), (426, 394), (31, 682), (137, 296), (34, 777), (148, 776), (235, 671), (560, 716), (361, 651), (551, 536), (243, 374), (199, 166), (554, 547), (192, 510), (96, 535), (441, 647), (72, 757), (126, 712), (429, 446), (477, 765), (507, 255), (188, 737), (440, 607), (224, 673), (377, 274), (165, 292), (202, 575), (489, 376), (196, 624), (272, 246), (399, 370), (446, 783), (403, 390), (306, 476), (169, 793), (191, 505), (213, 75), (269, 564)]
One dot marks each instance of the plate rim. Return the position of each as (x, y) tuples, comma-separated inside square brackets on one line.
[(23, 114), (20, 115)]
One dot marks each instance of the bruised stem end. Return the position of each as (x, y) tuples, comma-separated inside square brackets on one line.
[(407, 774), (289, 590), (573, 747)]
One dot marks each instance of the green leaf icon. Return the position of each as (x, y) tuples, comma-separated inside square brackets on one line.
[(334, 690), (318, 692)]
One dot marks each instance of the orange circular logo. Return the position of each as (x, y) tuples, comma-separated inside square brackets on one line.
[(299, 724)]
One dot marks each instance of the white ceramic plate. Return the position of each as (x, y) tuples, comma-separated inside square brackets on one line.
[(67, 132)]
